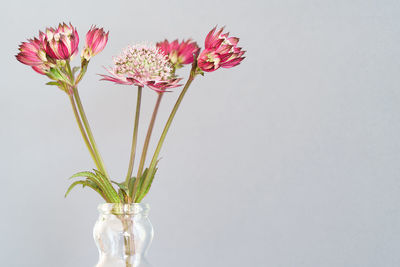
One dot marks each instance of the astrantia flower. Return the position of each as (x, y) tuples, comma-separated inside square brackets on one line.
[(179, 53), (143, 65), (96, 40), (61, 43), (32, 54), (220, 51)]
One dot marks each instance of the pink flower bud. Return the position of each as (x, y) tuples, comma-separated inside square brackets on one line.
[(220, 51), (179, 53), (96, 40), (61, 43), (32, 54)]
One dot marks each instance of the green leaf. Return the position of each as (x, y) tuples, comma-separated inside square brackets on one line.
[(153, 174), (102, 183), (142, 193), (60, 85), (140, 183), (121, 186), (122, 194), (199, 71), (83, 183), (87, 183), (55, 74), (82, 174), (108, 187), (53, 83), (147, 181), (58, 74), (131, 184)]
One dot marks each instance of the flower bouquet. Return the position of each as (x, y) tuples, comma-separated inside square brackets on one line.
[(123, 231)]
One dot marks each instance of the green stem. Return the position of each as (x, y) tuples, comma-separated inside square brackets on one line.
[(89, 132), (166, 128), (82, 130), (148, 135), (147, 142), (129, 242), (69, 70), (82, 72), (135, 134), (77, 117)]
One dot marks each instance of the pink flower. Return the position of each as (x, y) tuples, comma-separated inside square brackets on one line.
[(61, 43), (32, 54), (96, 40), (220, 51), (143, 65), (179, 53), (41, 69)]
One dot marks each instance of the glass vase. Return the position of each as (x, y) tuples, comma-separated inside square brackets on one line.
[(123, 234)]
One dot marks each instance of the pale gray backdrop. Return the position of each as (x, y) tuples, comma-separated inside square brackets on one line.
[(290, 159)]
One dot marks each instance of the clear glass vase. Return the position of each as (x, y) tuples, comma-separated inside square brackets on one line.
[(123, 234)]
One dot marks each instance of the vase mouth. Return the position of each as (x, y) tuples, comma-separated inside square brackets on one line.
[(124, 209)]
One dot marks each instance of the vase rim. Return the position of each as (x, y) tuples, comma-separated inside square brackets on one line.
[(122, 208)]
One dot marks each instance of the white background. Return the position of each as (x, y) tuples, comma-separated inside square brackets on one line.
[(290, 159)]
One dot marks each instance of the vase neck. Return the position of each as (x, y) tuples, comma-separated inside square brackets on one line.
[(124, 209)]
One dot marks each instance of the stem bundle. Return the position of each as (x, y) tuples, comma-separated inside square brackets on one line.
[(134, 188)]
